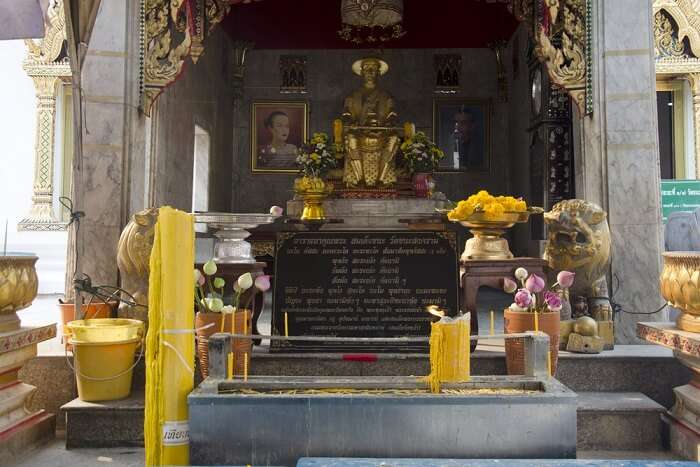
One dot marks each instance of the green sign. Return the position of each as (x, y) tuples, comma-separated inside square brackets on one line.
[(679, 195)]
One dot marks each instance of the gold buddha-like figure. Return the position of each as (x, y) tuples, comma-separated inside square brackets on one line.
[(369, 133)]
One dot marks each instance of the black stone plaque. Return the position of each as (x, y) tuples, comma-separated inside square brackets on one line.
[(361, 284)]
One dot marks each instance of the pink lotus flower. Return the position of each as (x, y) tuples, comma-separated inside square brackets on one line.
[(509, 285), (566, 279), (262, 283), (553, 300), (523, 298), (534, 284), (276, 211)]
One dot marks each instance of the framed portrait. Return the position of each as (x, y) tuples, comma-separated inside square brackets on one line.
[(462, 129), (278, 129)]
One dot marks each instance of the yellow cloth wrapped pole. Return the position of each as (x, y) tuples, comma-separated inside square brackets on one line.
[(170, 340), (449, 351)]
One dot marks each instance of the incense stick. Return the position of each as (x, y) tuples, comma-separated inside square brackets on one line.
[(4, 248)]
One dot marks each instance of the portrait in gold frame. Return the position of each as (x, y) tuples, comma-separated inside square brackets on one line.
[(277, 131), (463, 126)]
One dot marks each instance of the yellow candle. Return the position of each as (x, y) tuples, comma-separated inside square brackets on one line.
[(409, 130), (549, 362), (245, 322), (223, 320), (286, 325), (245, 367), (233, 322), (493, 327), (537, 322), (337, 131), (229, 368)]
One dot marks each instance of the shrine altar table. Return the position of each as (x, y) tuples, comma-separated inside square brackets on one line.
[(477, 273)]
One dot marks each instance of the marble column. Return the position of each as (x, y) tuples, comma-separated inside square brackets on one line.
[(101, 178), (694, 80), (620, 161), (41, 216)]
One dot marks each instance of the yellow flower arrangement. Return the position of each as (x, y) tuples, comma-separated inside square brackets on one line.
[(491, 206)]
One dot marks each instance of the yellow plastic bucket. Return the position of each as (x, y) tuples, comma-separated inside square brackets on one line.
[(103, 353)]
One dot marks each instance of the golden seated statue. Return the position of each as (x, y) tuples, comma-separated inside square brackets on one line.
[(367, 133)]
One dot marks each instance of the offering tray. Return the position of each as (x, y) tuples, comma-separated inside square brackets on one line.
[(231, 230), (487, 243)]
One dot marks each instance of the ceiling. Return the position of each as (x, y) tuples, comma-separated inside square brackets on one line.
[(313, 24)]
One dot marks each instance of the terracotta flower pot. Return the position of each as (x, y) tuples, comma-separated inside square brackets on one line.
[(240, 346), (92, 310), (519, 321)]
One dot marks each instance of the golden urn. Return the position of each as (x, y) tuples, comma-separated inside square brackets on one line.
[(488, 242), (313, 190), (18, 288), (680, 286)]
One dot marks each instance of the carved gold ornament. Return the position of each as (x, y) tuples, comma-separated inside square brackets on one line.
[(172, 31), (561, 44), (666, 43), (18, 288), (133, 257), (680, 286)]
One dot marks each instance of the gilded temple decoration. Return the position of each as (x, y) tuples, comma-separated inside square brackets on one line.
[(371, 21), (677, 48), (172, 31), (666, 42), (562, 39), (47, 65)]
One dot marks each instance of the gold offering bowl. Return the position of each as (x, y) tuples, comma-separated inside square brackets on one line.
[(680, 286), (487, 242), (18, 288)]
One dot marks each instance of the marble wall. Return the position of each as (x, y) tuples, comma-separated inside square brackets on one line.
[(202, 97), (410, 80)]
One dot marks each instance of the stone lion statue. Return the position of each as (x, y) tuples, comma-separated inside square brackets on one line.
[(133, 257), (578, 240)]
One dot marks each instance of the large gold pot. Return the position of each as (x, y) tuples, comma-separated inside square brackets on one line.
[(18, 288), (680, 286)]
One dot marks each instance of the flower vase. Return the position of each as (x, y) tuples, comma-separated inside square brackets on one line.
[(423, 184), (314, 190), (213, 321), (515, 322)]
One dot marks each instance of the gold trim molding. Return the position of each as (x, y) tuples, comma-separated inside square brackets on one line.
[(173, 30), (561, 38), (47, 65)]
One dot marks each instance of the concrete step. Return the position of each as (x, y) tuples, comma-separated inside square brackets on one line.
[(105, 424), (622, 421), (606, 422)]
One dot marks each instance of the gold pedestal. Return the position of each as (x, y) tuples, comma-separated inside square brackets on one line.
[(313, 207), (487, 244)]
